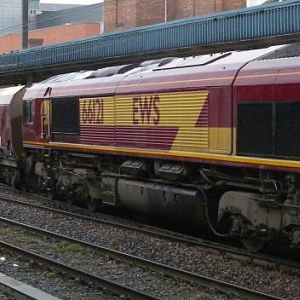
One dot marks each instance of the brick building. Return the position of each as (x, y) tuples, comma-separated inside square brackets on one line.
[(122, 14), (54, 27), (49, 36)]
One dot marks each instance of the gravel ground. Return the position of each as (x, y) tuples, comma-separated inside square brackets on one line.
[(49, 281), (4, 296), (89, 260), (275, 280)]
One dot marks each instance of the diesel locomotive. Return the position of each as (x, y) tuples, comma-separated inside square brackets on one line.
[(210, 140)]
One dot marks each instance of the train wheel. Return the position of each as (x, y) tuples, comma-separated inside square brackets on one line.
[(252, 244), (237, 226)]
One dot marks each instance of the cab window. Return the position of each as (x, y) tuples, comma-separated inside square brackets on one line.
[(65, 116), (28, 111)]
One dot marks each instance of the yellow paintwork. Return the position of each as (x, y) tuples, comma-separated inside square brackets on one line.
[(108, 110), (220, 140), (176, 110), (45, 118), (262, 162), (186, 108)]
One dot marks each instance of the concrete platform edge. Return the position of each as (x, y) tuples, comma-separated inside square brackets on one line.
[(22, 291)]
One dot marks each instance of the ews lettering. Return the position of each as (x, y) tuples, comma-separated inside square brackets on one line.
[(92, 111), (145, 110)]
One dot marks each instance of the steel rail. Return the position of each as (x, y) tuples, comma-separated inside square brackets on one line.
[(166, 234), (159, 267), (101, 282)]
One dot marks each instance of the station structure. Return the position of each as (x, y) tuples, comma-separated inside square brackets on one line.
[(248, 28)]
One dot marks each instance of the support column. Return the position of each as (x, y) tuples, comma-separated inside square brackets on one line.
[(24, 24)]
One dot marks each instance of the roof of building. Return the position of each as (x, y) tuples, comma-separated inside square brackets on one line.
[(79, 14), (54, 6)]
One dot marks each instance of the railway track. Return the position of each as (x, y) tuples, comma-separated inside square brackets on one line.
[(115, 287), (101, 282), (238, 253), (11, 289), (263, 267)]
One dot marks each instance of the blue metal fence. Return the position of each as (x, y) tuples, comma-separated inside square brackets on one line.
[(252, 23)]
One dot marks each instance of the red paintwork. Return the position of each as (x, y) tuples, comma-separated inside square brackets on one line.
[(220, 106), (32, 131), (185, 159), (69, 138), (282, 92), (274, 80), (202, 119), (97, 135), (160, 138), (129, 136)]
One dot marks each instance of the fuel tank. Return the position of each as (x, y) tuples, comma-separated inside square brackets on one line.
[(182, 205)]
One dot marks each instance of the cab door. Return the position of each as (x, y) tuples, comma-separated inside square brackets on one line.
[(46, 120)]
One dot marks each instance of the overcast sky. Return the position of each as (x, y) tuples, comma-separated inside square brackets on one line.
[(72, 1), (255, 2)]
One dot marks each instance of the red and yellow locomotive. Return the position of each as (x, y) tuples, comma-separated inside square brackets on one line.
[(207, 140)]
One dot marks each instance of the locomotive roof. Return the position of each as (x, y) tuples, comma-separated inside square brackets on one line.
[(7, 94), (160, 64), (288, 51), (108, 80)]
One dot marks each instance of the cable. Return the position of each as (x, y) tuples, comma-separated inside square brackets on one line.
[(46, 20), (74, 10), (81, 10), (105, 10)]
